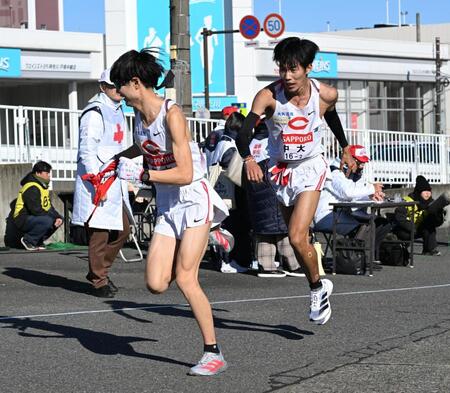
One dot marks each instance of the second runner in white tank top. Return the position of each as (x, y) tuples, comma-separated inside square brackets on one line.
[(294, 133)]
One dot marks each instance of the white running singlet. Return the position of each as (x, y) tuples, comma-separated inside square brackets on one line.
[(178, 207), (294, 133)]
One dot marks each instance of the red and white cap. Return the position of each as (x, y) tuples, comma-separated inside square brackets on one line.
[(359, 153), (228, 110)]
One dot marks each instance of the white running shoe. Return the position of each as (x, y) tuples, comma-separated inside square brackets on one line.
[(222, 238), (232, 267), (320, 309), (210, 364)]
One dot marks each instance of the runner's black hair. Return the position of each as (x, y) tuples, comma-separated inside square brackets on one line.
[(234, 122), (293, 51), (142, 64)]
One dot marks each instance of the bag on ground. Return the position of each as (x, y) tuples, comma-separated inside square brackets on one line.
[(393, 252), (350, 260)]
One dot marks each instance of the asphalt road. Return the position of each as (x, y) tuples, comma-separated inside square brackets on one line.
[(388, 333)]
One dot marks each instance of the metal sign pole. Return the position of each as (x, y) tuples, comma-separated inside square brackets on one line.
[(206, 33)]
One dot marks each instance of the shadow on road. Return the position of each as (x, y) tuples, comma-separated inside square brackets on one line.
[(47, 280), (286, 331), (98, 342)]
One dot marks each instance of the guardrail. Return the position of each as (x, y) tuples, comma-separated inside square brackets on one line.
[(29, 134)]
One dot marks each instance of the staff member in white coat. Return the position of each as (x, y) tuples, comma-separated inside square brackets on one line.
[(102, 131)]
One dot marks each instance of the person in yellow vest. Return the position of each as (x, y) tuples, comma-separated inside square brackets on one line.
[(34, 214), (428, 215)]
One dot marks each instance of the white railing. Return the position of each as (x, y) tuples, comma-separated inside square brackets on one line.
[(29, 134)]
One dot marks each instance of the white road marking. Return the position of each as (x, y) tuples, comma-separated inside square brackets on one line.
[(265, 299)]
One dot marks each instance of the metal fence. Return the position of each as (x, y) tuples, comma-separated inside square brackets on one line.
[(29, 134)]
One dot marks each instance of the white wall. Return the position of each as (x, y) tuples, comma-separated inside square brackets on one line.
[(57, 41), (120, 28), (404, 33)]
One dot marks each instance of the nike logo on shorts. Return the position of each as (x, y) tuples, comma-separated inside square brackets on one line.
[(198, 220), (156, 133)]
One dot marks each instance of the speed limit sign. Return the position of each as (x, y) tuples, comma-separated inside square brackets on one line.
[(274, 25)]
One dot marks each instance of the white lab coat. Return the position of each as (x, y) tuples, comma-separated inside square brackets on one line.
[(101, 137), (339, 188)]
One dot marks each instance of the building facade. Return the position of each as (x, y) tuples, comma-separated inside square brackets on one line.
[(386, 80)]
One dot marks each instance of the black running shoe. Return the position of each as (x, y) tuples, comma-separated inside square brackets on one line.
[(104, 291), (113, 287), (271, 273), (295, 273)]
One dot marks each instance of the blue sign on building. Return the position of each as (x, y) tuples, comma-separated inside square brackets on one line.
[(324, 66), (216, 103), (209, 14), (153, 27), (9, 63), (153, 19)]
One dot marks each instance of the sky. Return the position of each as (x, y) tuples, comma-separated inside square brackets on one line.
[(300, 15), (84, 15), (310, 16)]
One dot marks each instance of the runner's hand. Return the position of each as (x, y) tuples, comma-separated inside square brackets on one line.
[(348, 161), (129, 170), (254, 172)]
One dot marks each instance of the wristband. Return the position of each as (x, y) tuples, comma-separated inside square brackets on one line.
[(145, 177)]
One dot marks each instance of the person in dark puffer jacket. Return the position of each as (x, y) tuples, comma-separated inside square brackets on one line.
[(34, 214), (268, 224), (428, 215)]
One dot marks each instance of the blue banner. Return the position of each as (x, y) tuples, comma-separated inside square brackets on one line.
[(153, 20), (153, 27), (209, 14), (9, 63), (324, 66)]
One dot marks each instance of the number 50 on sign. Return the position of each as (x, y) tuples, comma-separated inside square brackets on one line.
[(274, 25)]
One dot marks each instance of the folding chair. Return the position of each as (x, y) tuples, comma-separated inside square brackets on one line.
[(146, 219), (135, 241), (328, 239), (142, 222)]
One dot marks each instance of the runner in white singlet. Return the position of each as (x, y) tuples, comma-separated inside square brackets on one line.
[(294, 107), (186, 203)]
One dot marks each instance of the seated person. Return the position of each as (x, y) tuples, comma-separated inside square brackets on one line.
[(429, 214), (269, 227), (211, 141), (339, 188), (34, 214)]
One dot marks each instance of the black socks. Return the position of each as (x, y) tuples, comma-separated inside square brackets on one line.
[(214, 348), (315, 285)]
